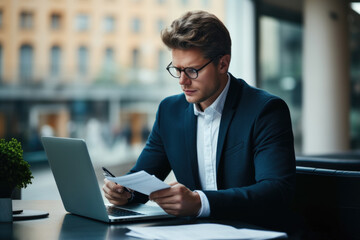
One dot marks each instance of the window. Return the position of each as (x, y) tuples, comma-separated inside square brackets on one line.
[(162, 61), (55, 21), (55, 61), (109, 68), (206, 3), (109, 24), (1, 63), (281, 66), (160, 25), (1, 18), (136, 25), (135, 58), (83, 56), (82, 22), (355, 78), (26, 62), (26, 20), (109, 55), (184, 2)]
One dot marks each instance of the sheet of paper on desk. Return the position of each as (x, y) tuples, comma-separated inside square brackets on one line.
[(201, 232), (140, 182)]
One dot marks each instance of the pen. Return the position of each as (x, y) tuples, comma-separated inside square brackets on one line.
[(107, 173)]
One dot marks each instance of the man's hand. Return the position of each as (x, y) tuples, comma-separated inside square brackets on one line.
[(177, 200), (115, 193)]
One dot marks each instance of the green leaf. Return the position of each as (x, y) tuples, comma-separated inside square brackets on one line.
[(14, 170)]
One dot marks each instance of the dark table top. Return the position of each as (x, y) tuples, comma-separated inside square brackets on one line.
[(62, 225)]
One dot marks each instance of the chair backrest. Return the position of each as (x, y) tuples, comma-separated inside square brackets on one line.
[(329, 201), (335, 162), (353, 154)]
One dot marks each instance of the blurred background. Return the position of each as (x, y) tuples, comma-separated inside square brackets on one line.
[(95, 69)]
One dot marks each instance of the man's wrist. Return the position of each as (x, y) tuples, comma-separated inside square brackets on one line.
[(131, 198), (205, 206)]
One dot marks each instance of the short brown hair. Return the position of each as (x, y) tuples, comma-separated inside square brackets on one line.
[(198, 29)]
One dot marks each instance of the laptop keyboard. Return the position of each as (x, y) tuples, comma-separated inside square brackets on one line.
[(119, 212)]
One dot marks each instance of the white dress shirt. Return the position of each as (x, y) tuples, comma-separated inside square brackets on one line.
[(208, 124)]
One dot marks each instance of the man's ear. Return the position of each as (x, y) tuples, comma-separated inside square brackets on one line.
[(224, 63)]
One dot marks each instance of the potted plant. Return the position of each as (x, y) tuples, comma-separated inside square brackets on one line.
[(14, 172)]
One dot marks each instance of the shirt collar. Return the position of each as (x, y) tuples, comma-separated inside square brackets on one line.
[(218, 104)]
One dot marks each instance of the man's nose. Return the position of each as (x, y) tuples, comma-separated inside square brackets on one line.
[(184, 80)]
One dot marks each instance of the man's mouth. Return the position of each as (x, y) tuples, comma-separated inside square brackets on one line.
[(189, 91)]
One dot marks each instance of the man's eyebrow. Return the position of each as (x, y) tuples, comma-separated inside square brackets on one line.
[(192, 66)]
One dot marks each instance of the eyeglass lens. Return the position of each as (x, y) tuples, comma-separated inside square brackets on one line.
[(190, 72)]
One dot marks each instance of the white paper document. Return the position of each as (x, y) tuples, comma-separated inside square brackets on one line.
[(140, 182), (201, 232)]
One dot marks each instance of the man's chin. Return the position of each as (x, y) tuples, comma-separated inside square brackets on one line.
[(191, 99)]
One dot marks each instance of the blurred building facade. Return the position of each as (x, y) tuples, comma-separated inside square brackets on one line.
[(95, 69), (72, 67)]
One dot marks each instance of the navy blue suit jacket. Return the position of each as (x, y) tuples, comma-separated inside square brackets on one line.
[(255, 160)]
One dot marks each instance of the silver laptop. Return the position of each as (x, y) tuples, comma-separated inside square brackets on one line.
[(78, 186)]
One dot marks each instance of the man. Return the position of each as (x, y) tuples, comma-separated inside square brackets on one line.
[(230, 145)]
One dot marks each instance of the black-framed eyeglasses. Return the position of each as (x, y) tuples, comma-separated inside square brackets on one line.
[(190, 72)]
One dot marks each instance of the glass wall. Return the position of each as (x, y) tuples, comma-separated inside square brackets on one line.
[(89, 62), (109, 65), (355, 78), (280, 66), (85, 69), (281, 70)]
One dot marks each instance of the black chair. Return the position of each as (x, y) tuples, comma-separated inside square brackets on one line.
[(335, 161), (353, 154), (328, 200)]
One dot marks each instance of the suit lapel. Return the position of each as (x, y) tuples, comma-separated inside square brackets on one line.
[(190, 126), (227, 115)]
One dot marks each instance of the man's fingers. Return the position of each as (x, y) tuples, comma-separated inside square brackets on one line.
[(177, 200), (114, 187), (167, 200), (168, 192), (116, 194), (165, 193), (115, 191)]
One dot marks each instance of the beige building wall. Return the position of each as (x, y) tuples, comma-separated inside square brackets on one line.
[(122, 39)]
